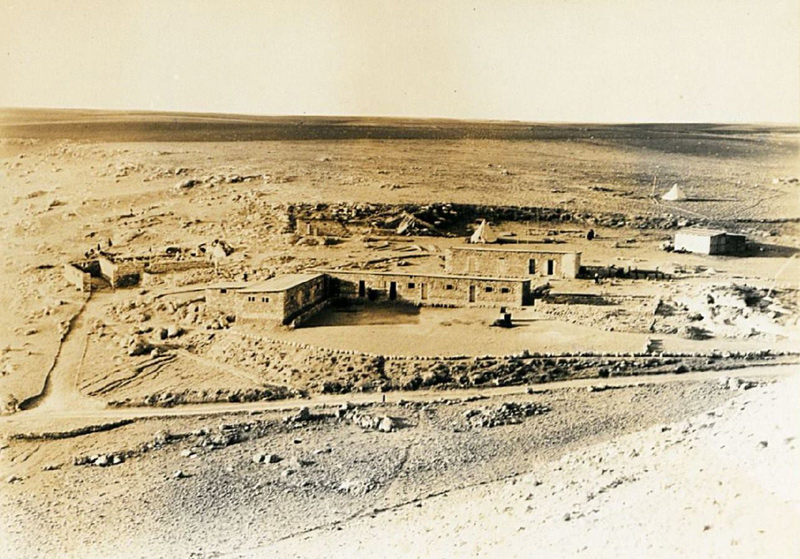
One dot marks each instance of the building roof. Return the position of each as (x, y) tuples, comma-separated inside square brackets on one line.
[(516, 248), (422, 275), (279, 283), (701, 232), (228, 285)]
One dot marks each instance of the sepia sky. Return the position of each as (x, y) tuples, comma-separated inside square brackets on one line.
[(534, 60)]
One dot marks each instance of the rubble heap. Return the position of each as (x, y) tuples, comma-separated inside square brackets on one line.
[(507, 413)]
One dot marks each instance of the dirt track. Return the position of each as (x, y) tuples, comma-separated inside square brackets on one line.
[(55, 411), (431, 472)]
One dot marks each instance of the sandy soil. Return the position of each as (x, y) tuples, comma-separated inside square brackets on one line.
[(678, 465), (63, 197), (722, 484), (474, 490)]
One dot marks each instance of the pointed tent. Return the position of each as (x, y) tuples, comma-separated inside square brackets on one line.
[(675, 193), (483, 234)]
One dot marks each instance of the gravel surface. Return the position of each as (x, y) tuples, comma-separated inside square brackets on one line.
[(191, 485)]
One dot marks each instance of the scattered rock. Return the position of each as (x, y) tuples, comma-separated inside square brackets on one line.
[(259, 458), (507, 413), (303, 415), (387, 425), (295, 463)]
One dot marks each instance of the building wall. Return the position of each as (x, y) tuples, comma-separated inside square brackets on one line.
[(512, 263), (430, 290), (710, 244), (273, 306), (163, 265), (223, 300), (260, 306), (735, 244), (123, 273), (77, 277), (700, 244), (303, 296)]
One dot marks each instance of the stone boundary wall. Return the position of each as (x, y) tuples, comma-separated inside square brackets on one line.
[(343, 371), (525, 354), (162, 265), (308, 313)]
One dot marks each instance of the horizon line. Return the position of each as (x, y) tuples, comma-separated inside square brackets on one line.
[(405, 117)]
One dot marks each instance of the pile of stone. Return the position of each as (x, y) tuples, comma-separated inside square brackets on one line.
[(219, 323), (101, 460), (135, 346), (302, 416), (349, 413), (732, 383), (508, 413), (224, 437), (263, 458)]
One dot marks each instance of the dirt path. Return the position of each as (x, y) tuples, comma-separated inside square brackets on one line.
[(60, 390), (63, 408)]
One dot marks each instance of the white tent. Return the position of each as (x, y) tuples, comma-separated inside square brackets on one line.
[(675, 193), (483, 234)]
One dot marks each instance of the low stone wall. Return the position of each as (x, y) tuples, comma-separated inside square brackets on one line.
[(576, 299), (161, 266), (603, 272), (309, 313), (314, 369)]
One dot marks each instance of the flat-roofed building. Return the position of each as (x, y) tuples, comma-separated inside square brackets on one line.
[(709, 241), (517, 261), (429, 289), (281, 299)]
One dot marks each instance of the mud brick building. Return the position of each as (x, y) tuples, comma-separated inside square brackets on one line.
[(281, 299), (519, 261), (429, 289), (709, 241)]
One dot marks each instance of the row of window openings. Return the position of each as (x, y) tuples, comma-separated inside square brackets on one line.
[(263, 299), (451, 287), (551, 266)]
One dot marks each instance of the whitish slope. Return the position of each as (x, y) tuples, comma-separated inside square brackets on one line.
[(725, 484)]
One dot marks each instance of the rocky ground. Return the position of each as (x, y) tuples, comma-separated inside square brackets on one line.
[(564, 468), (186, 487), (725, 483), (62, 197)]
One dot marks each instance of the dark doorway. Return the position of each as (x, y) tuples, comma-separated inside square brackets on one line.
[(362, 288), (471, 293), (531, 266), (551, 267), (392, 290)]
